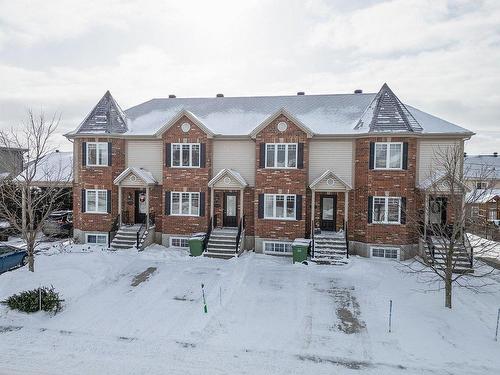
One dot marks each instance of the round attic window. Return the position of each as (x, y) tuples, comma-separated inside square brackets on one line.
[(133, 178), (330, 181), (227, 180), (185, 127), (282, 126)]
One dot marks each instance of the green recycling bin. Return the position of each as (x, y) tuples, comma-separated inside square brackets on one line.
[(196, 245), (299, 249)]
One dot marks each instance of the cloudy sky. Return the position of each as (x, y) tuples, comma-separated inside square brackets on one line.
[(441, 56)]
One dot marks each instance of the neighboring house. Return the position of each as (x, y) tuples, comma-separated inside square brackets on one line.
[(11, 161), (482, 173), (55, 169), (282, 167)]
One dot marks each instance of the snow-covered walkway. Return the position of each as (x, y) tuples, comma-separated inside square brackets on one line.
[(265, 316)]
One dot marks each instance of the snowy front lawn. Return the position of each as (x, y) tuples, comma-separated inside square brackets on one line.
[(142, 313)]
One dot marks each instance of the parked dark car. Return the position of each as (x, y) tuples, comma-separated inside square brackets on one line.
[(59, 224), (12, 257)]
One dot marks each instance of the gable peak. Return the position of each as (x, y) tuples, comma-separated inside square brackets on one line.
[(105, 117)]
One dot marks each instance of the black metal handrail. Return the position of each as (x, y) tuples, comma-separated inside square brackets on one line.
[(469, 249), (114, 228), (241, 226), (138, 234), (207, 236)]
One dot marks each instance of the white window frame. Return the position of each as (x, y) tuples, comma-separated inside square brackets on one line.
[(286, 155), (481, 185), (285, 199), (96, 191), (274, 243), (97, 234), (386, 211), (191, 193), (98, 147), (385, 248), (388, 156), (172, 239), (190, 155), (492, 214)]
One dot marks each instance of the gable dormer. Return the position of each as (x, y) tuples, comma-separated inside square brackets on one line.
[(106, 117)]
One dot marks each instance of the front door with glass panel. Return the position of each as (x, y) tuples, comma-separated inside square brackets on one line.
[(328, 212), (437, 210), (140, 206), (230, 208)]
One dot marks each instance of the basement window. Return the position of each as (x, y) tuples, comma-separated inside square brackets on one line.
[(179, 242), (96, 238), (277, 247), (385, 252)]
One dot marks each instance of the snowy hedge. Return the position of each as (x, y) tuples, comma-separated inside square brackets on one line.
[(29, 301)]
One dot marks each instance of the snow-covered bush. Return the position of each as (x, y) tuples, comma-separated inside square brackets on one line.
[(29, 301)]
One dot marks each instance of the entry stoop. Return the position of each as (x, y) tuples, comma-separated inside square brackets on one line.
[(330, 248), (222, 243)]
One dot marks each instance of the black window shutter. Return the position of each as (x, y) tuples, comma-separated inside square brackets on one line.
[(405, 155), (109, 201), (110, 154), (370, 209), (84, 201), (202, 203), (262, 156), (298, 207), (203, 155), (300, 156), (84, 153), (372, 154), (167, 203), (167, 154), (261, 206), (403, 210)]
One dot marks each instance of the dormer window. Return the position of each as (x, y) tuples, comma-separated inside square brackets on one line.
[(97, 154)]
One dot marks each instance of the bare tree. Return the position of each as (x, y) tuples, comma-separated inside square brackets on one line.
[(23, 202), (447, 254)]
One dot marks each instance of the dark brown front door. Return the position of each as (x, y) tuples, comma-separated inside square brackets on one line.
[(328, 212), (230, 210), (140, 206)]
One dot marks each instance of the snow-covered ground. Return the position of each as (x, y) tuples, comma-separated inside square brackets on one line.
[(141, 313)]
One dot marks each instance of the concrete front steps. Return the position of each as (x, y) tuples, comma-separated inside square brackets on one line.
[(330, 248), (222, 243), (461, 259), (125, 238)]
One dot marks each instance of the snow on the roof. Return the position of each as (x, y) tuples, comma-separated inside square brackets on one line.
[(484, 167), (143, 174), (482, 196), (54, 167), (432, 124)]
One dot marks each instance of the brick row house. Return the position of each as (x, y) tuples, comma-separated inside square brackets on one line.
[(261, 171)]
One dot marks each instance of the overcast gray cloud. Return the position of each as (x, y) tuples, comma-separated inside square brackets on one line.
[(440, 56)]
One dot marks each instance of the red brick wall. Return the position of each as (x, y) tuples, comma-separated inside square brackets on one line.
[(281, 181), (97, 178), (397, 183), (187, 179)]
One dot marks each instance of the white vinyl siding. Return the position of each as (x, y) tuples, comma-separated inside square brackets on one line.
[(147, 155), (236, 155), (96, 238), (429, 151), (385, 252), (386, 210), (96, 201), (334, 155), (388, 155), (277, 247), (279, 206), (281, 155), (185, 204), (97, 154)]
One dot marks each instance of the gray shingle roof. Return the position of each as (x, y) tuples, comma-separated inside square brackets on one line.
[(484, 167), (331, 114), (105, 117)]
